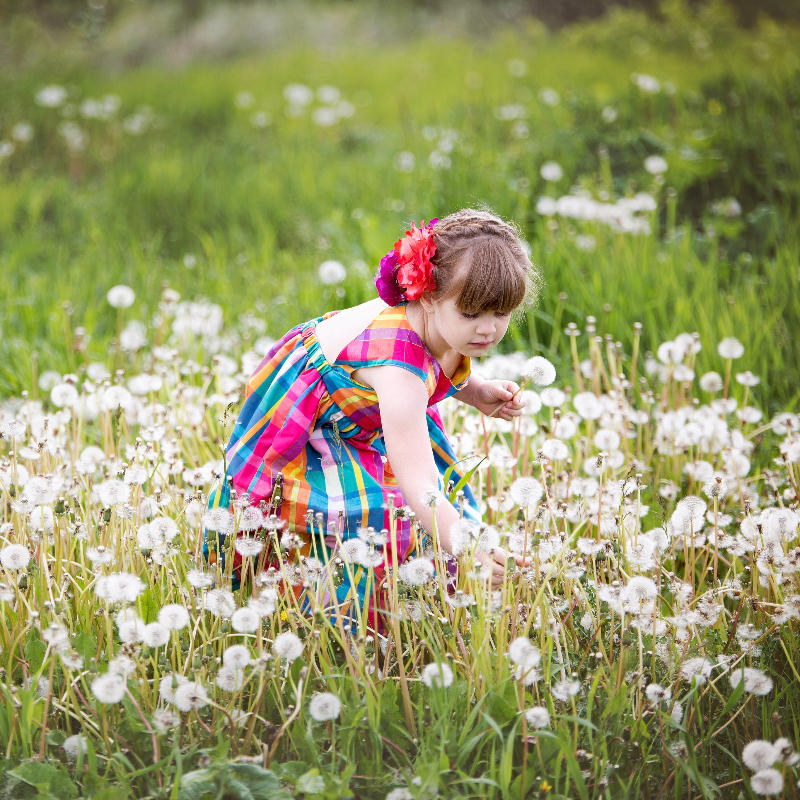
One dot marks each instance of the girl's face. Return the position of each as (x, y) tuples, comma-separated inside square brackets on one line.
[(469, 334)]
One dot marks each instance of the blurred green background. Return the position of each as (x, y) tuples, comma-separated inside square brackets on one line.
[(228, 150)]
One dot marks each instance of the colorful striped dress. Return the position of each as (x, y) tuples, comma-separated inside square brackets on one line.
[(310, 423)]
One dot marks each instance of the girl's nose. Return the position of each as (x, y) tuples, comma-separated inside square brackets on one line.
[(486, 327)]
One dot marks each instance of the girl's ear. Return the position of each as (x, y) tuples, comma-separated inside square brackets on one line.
[(426, 301)]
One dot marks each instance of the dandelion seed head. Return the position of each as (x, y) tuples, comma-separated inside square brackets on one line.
[(539, 371), (15, 556), (73, 745), (759, 755), (174, 616), (767, 782), (237, 655), (109, 688), (155, 635), (416, 571), (287, 646), (245, 620), (730, 348), (324, 706), (190, 695), (537, 717), (229, 678), (121, 296), (755, 681), (248, 546), (526, 492), (563, 690), (221, 603), (438, 675), (523, 653), (657, 694)]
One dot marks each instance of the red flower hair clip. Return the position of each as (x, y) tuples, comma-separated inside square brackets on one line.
[(406, 272)]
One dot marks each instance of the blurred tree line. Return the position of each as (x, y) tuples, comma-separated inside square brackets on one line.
[(93, 14)]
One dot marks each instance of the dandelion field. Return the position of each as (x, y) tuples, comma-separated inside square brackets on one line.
[(650, 648)]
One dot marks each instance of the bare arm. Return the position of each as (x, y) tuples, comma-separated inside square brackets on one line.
[(403, 401)]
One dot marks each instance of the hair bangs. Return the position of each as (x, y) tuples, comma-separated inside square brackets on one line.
[(493, 279)]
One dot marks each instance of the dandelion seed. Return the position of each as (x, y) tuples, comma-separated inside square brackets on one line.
[(118, 587), (245, 620), (174, 616), (64, 395), (324, 706), (759, 755), (189, 696), (537, 717), (439, 675), (655, 165), (287, 646), (109, 688), (220, 520), (431, 497), (248, 546), (747, 379), (15, 556), (99, 555)]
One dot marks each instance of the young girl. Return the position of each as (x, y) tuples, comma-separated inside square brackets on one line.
[(340, 421)]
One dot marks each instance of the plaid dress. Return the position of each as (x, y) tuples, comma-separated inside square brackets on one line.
[(309, 422)]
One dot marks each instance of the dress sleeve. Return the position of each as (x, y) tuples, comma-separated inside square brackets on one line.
[(390, 346)]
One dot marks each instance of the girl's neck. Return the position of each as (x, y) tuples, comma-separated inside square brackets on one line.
[(421, 322)]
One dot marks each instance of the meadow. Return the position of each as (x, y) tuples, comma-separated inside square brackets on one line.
[(159, 229)]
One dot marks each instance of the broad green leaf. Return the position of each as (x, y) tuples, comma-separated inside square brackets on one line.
[(311, 783), (46, 779)]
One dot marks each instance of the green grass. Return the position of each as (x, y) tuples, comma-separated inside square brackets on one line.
[(261, 208)]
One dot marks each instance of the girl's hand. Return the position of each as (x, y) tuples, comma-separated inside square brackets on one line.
[(499, 399), (497, 560)]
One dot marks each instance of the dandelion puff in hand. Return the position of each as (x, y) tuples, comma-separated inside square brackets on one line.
[(537, 717), (539, 371), (245, 620), (767, 781), (287, 646), (324, 706), (109, 688), (439, 675), (760, 755)]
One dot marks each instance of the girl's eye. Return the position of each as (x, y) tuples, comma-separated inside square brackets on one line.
[(469, 316)]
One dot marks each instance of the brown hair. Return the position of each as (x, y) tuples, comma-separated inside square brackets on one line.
[(481, 261)]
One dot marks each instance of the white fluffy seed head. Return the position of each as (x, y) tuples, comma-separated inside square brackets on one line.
[(287, 646), (760, 755), (109, 687), (539, 371), (14, 556), (174, 616), (767, 782), (237, 655), (522, 652), (537, 717), (438, 675), (155, 635), (245, 620), (324, 706), (190, 695)]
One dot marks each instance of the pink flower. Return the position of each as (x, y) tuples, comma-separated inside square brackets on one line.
[(414, 253)]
